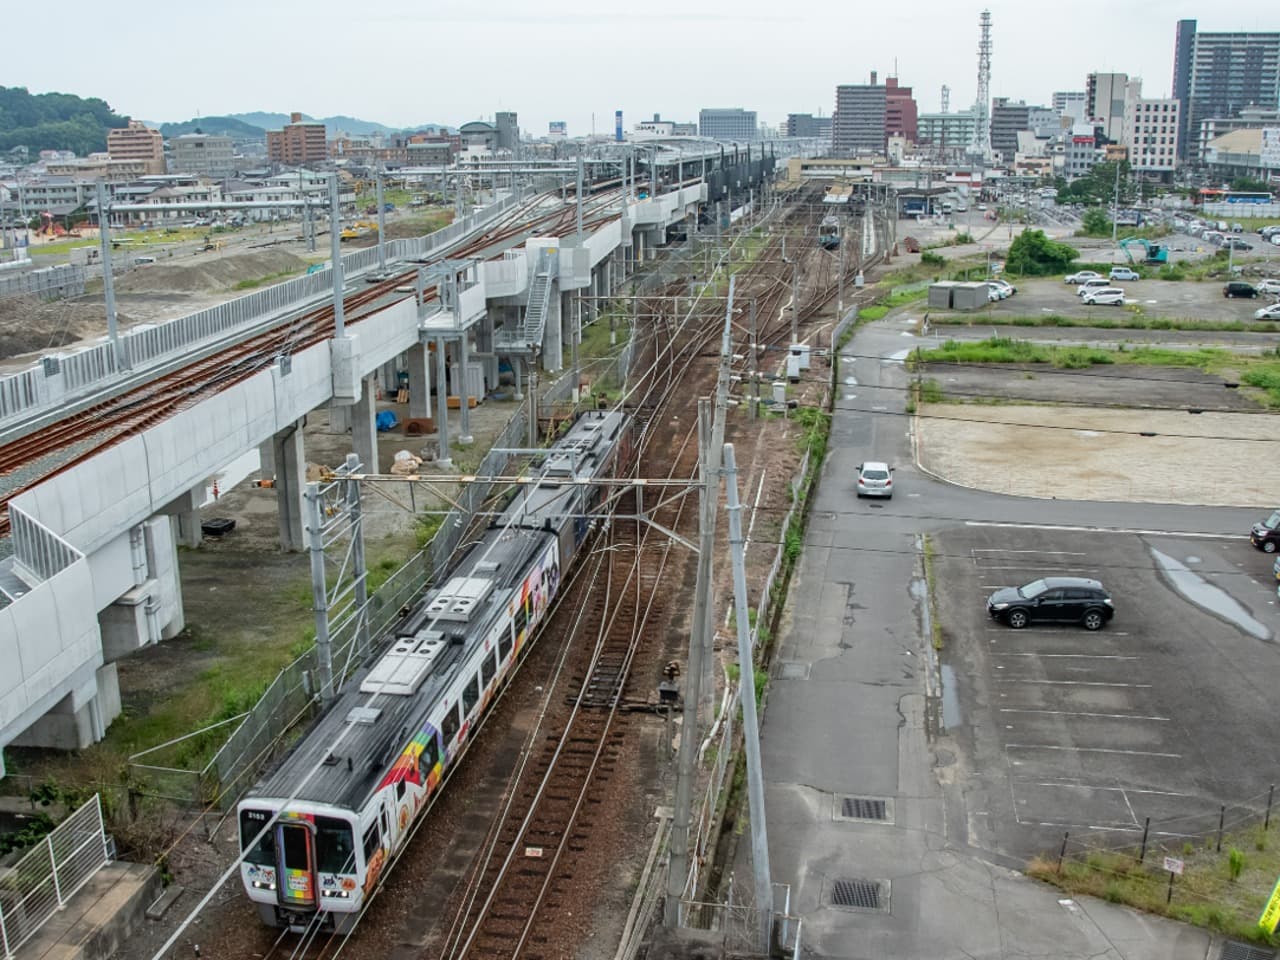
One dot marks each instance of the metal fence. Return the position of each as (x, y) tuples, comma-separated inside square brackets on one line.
[(41, 883), (48, 283), (25, 391), (38, 549)]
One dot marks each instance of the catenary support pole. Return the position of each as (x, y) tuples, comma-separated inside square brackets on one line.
[(578, 213), (335, 251), (442, 405), (382, 221), (747, 695), (358, 565), (108, 281), (319, 591), (689, 732)]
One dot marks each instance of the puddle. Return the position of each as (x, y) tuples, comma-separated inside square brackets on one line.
[(231, 474), (1208, 597), (950, 700)]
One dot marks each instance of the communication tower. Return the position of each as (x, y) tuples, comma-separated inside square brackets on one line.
[(982, 129), (946, 99)]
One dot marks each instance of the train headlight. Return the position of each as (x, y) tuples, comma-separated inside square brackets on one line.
[(341, 894), (263, 885)]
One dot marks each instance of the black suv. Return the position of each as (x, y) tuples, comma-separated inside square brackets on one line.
[(1266, 535), (1238, 288), (1053, 600)]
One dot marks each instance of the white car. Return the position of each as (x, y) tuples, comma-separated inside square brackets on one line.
[(1008, 288), (1269, 285), (1104, 296), (1097, 283), (1269, 312), (875, 479), (996, 292), (1082, 276), (1124, 273)]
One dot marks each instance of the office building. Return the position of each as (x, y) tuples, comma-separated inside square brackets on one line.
[(1081, 151), (1151, 132), (1219, 74), (203, 154), (298, 143), (137, 141), (901, 116), (858, 123), (1104, 103), (807, 125), (719, 123), (1211, 128), (946, 134), (508, 131), (1007, 118), (1069, 102)]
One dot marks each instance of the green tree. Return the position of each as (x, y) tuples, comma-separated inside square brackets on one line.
[(1095, 223), (1034, 254), (1250, 185), (54, 121)]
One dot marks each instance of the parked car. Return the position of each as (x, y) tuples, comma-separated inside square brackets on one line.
[(1266, 535), (1094, 284), (143, 261), (1238, 288), (875, 479), (1237, 243), (1269, 285), (1237, 228), (1006, 285), (1082, 275), (1275, 568), (1053, 600), (1125, 273), (1104, 297), (996, 291), (1270, 312)]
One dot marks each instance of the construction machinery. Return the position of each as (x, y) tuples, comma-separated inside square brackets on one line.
[(1153, 253)]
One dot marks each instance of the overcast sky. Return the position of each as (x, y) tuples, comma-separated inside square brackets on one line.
[(450, 61)]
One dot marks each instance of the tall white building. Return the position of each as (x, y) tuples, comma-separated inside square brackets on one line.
[(1151, 131), (1105, 95)]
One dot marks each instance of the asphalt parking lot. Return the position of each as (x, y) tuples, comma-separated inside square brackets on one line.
[(1165, 713), (1184, 299)]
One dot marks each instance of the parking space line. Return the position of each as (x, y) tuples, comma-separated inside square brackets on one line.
[(1127, 753), (1057, 553), (1032, 569), (1066, 656), (1081, 713), (1003, 631), (1129, 530), (1099, 787), (1077, 683)]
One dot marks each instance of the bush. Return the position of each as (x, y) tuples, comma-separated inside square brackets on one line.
[(931, 259), (963, 237), (1033, 254)]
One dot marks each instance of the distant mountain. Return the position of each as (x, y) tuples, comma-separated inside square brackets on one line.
[(54, 121), (217, 126), (351, 125)]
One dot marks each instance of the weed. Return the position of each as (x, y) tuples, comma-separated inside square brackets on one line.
[(1235, 863)]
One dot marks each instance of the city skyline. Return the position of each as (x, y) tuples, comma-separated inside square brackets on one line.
[(394, 78)]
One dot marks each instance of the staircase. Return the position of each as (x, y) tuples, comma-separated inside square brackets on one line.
[(535, 315)]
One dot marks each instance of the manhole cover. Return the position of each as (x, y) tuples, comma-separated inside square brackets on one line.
[(865, 809), (858, 894), (1234, 950)]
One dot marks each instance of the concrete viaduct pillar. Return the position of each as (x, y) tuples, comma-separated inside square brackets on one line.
[(419, 358), (291, 469), (364, 428)]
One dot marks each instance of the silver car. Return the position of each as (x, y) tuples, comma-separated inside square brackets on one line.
[(875, 479)]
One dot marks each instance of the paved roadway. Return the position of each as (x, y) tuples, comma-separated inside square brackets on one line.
[(1030, 734)]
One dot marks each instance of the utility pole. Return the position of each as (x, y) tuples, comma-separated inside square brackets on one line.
[(747, 694), (795, 301), (309, 225), (755, 373), (335, 247), (678, 868), (840, 295), (579, 211), (1115, 207), (108, 281)]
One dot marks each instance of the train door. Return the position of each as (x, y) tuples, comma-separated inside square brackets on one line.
[(296, 862)]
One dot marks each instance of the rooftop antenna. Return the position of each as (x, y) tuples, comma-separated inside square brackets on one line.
[(982, 129), (946, 99)]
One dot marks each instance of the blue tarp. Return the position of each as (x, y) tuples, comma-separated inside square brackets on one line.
[(385, 420)]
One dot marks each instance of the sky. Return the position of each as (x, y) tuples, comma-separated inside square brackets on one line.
[(449, 61)]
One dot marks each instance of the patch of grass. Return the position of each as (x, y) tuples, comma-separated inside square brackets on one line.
[(268, 279), (1120, 321), (931, 579), (876, 312)]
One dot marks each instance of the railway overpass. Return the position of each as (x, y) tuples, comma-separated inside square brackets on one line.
[(93, 573)]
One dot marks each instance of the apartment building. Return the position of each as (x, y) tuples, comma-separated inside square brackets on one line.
[(298, 143), (202, 153), (858, 122), (137, 141)]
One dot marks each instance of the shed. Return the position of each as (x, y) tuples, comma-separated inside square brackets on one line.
[(940, 294), (969, 296)]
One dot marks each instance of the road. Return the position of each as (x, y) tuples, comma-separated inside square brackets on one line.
[(1114, 724)]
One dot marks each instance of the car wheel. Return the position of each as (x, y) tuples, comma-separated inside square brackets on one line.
[(1268, 546), (1093, 620), (1016, 619)]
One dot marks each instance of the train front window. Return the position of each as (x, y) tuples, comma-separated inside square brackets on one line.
[(263, 853), (335, 849)]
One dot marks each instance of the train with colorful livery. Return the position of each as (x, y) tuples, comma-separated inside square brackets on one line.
[(318, 830)]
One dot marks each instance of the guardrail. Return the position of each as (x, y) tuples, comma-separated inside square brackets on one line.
[(41, 883), (63, 280), (39, 550), (57, 378)]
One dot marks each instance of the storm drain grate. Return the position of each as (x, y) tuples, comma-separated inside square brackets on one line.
[(860, 894), (862, 808), (1234, 950)]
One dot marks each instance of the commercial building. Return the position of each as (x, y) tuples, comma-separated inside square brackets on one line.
[(1220, 74), (1080, 153), (1070, 102), (202, 153), (1104, 103), (1253, 153), (1210, 128), (719, 123), (1007, 119), (900, 111), (657, 127), (808, 126), (1151, 134), (298, 143), (137, 141), (557, 129), (858, 123), (508, 131)]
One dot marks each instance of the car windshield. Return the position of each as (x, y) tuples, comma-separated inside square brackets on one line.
[(1273, 521), (1033, 589), (875, 475)]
